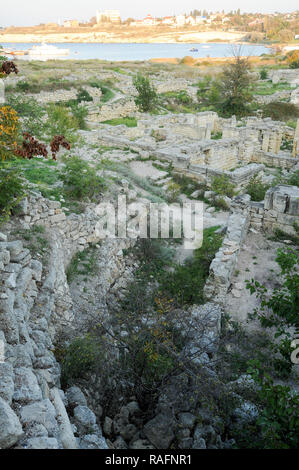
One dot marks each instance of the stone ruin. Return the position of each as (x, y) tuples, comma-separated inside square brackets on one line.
[(203, 145)]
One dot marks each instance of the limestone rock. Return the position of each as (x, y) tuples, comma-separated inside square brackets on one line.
[(141, 444), (92, 441), (128, 432), (186, 443), (6, 381), (120, 443), (207, 433), (107, 427), (247, 412), (26, 387), (159, 430), (75, 396), (85, 419), (187, 420), (10, 426), (42, 412), (42, 443)]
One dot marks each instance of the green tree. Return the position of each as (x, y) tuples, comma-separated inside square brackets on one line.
[(147, 98), (234, 87)]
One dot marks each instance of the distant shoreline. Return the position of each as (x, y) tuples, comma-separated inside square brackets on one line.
[(135, 37)]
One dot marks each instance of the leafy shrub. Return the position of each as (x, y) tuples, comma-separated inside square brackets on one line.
[(83, 95), (147, 97), (80, 113), (223, 186), (31, 113), (293, 59), (173, 191), (205, 83), (280, 309), (263, 74), (256, 189), (82, 355), (186, 283), (216, 136), (294, 179), (286, 144), (278, 419), (81, 180), (12, 191), (22, 86), (9, 132), (279, 110), (61, 122), (291, 123)]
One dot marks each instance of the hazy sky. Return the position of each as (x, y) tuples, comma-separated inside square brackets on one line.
[(31, 12)]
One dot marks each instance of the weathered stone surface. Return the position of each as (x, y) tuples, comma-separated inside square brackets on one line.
[(42, 412), (42, 443), (207, 433), (108, 426), (6, 381), (85, 419), (92, 441), (159, 430), (75, 396), (120, 443), (141, 444), (186, 443), (10, 426), (199, 443), (26, 386), (128, 432), (187, 420), (246, 413)]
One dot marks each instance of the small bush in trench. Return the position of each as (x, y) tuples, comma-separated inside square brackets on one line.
[(223, 186), (82, 263), (12, 190), (81, 356), (81, 180), (257, 189)]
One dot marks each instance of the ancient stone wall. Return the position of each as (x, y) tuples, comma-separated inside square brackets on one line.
[(35, 303), (223, 265), (66, 95), (284, 75), (118, 109), (33, 411), (279, 210)]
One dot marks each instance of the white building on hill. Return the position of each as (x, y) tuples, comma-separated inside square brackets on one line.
[(111, 16), (180, 20)]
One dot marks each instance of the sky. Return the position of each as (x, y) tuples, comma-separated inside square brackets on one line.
[(34, 12)]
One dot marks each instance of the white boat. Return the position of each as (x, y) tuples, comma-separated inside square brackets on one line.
[(48, 50)]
